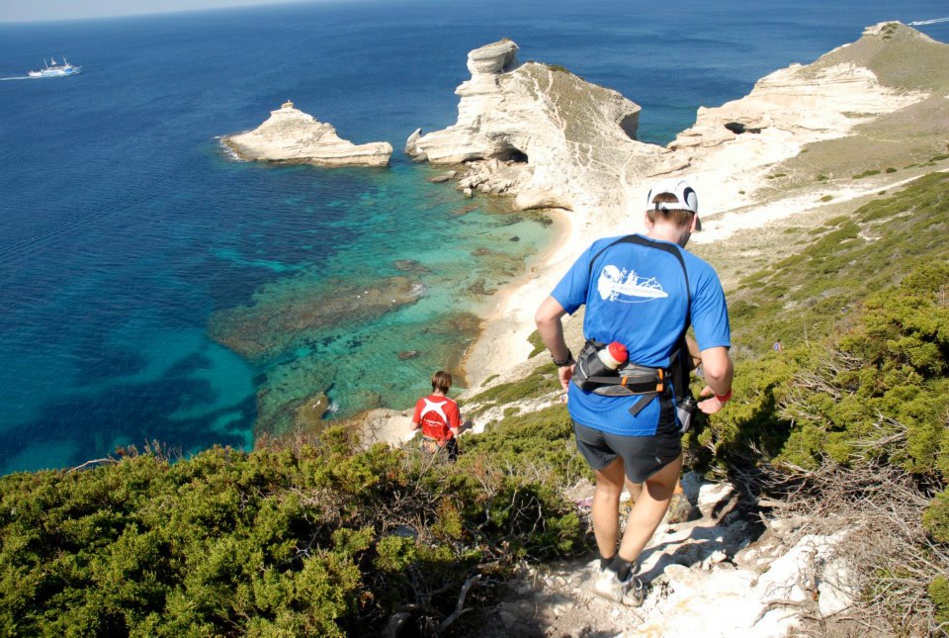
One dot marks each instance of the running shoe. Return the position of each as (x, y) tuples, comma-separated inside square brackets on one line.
[(629, 592)]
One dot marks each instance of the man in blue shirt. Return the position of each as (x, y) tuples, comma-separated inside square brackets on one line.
[(642, 291)]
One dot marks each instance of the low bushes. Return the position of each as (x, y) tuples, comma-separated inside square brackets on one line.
[(314, 540)]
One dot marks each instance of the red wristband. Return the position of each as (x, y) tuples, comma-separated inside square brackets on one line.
[(725, 397)]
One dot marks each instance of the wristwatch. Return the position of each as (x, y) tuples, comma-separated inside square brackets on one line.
[(564, 362)]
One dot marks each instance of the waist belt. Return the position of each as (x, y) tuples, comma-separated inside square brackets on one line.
[(634, 379), (630, 379)]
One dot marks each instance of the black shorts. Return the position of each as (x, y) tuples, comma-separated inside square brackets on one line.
[(642, 456)]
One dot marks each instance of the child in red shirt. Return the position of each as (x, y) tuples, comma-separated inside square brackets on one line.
[(439, 418)]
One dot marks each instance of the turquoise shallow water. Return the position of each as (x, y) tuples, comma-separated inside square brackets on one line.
[(156, 290)]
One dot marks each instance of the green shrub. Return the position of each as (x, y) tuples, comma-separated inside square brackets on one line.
[(939, 595), (315, 540), (538, 343), (536, 384), (936, 518)]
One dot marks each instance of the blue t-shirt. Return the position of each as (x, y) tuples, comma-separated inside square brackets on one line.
[(637, 295)]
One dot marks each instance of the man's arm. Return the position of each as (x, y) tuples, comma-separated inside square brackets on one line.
[(718, 370), (550, 327), (454, 420)]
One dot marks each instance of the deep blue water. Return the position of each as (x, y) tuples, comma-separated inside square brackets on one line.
[(126, 233)]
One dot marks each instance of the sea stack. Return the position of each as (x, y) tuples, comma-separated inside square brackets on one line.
[(292, 136)]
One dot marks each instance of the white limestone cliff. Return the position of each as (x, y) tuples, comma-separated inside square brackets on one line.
[(541, 134), (550, 139), (741, 141), (292, 136)]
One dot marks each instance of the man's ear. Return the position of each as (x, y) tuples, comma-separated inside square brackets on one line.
[(695, 225), (646, 221)]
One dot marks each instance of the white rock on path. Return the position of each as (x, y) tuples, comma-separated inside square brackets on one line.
[(290, 135)]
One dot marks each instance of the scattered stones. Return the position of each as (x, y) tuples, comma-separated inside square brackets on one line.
[(717, 500), (694, 587)]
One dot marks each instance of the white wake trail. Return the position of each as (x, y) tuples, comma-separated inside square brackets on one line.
[(919, 23)]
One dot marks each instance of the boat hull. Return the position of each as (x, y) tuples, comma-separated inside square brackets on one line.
[(58, 72)]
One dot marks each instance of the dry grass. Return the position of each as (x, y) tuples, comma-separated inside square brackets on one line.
[(888, 554)]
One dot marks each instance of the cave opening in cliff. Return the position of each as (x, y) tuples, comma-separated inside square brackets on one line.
[(738, 128), (513, 155)]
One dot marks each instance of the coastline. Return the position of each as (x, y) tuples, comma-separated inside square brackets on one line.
[(736, 177), (502, 346), (502, 341)]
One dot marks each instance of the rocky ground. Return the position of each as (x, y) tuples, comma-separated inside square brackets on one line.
[(724, 572)]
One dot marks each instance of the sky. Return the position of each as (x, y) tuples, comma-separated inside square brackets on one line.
[(36, 10)]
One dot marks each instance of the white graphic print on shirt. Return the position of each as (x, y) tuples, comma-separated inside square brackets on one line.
[(436, 407), (616, 284)]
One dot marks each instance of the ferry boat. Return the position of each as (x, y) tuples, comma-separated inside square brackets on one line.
[(54, 69)]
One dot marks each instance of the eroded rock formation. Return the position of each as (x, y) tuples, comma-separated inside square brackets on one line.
[(540, 134), (549, 139), (292, 136)]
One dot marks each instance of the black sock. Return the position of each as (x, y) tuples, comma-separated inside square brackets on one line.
[(621, 567)]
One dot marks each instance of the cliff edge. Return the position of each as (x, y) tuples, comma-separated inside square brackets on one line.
[(548, 138)]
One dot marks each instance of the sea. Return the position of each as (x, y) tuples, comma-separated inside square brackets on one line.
[(155, 291)]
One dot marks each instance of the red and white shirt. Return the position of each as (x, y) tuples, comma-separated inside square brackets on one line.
[(437, 416)]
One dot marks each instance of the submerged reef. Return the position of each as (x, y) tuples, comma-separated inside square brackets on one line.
[(281, 318)]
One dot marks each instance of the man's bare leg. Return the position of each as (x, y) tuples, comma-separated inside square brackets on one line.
[(605, 508), (648, 510)]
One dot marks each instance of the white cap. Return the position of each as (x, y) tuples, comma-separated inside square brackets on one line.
[(679, 189)]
